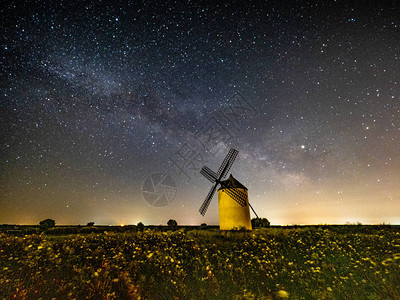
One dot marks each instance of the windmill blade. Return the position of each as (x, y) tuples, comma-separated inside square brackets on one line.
[(209, 174), (206, 203), (238, 196), (228, 167), (227, 163)]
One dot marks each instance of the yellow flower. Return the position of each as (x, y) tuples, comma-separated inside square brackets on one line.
[(282, 294), (329, 289), (387, 261)]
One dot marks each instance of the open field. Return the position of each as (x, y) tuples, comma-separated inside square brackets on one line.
[(347, 262)]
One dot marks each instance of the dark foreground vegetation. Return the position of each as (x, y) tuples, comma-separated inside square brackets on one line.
[(325, 262)]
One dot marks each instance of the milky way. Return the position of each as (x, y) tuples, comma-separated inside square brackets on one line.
[(97, 97)]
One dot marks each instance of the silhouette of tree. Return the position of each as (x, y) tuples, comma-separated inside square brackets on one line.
[(260, 222), (140, 226), (172, 223), (46, 224)]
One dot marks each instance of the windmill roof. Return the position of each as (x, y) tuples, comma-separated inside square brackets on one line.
[(231, 182)]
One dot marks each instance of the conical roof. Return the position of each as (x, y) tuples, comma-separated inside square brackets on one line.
[(231, 182)]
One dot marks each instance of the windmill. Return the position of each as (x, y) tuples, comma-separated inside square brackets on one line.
[(233, 200)]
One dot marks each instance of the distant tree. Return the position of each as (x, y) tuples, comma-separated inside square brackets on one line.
[(203, 225), (172, 223), (260, 222), (140, 226), (46, 224), (90, 224)]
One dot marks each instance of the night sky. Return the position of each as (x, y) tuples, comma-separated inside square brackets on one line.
[(98, 98)]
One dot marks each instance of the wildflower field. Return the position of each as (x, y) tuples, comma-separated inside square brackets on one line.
[(271, 263)]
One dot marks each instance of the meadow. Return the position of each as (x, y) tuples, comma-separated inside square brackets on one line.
[(348, 262)]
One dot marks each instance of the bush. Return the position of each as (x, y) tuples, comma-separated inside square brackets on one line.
[(172, 223), (46, 224), (91, 229), (62, 230), (31, 230), (140, 226), (260, 222), (90, 224)]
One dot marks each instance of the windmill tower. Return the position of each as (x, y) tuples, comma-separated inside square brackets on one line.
[(233, 200)]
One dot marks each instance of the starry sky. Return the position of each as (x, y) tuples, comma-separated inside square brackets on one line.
[(99, 97)]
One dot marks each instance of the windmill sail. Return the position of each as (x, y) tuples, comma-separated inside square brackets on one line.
[(238, 196), (216, 177), (206, 203), (227, 163), (209, 174), (228, 166)]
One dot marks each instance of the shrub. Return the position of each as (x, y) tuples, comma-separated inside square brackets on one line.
[(260, 222), (140, 226), (62, 230), (90, 224), (31, 230), (46, 224), (172, 223)]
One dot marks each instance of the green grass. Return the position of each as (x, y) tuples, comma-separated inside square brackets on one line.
[(301, 263)]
